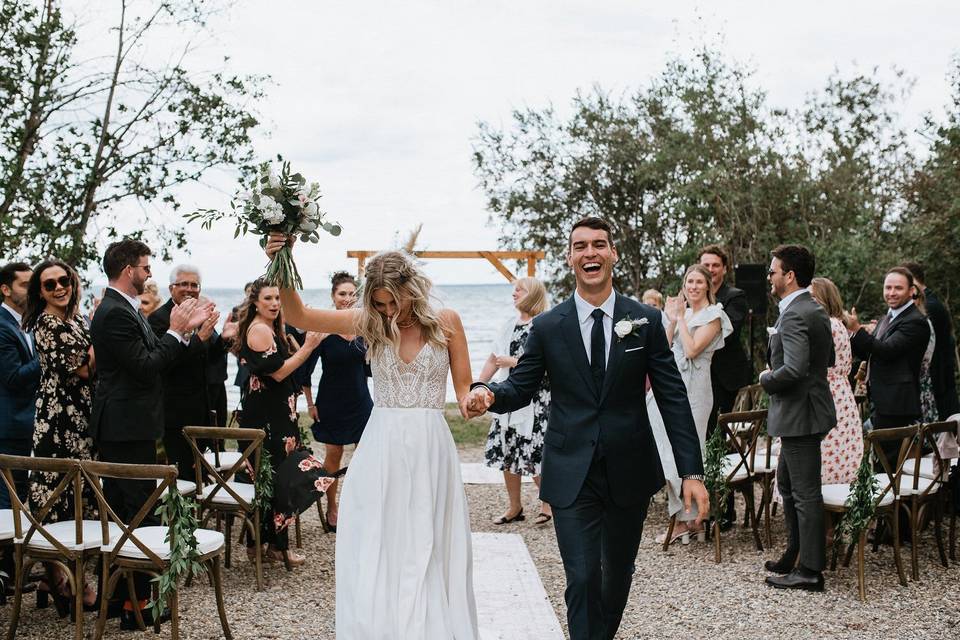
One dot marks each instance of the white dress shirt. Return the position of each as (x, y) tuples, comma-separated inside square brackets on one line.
[(584, 309), (785, 302), (135, 303), (893, 313), (19, 318)]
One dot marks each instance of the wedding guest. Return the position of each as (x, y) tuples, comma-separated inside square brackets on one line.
[(64, 398), (270, 399), (19, 377), (343, 403), (240, 379), (696, 329), (127, 417), (185, 401), (150, 298), (653, 298), (928, 399), (515, 441), (944, 361), (895, 352), (842, 448)]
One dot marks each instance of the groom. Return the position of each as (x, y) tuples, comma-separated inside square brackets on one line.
[(600, 461)]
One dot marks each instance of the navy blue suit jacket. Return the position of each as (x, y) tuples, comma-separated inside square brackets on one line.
[(581, 416), (19, 378)]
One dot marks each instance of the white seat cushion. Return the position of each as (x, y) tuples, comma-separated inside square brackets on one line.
[(927, 469), (729, 462), (185, 487), (227, 459), (760, 463), (244, 490), (65, 533), (155, 539), (835, 495), (6, 524), (923, 485)]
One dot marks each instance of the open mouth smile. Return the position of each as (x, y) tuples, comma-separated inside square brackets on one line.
[(591, 267)]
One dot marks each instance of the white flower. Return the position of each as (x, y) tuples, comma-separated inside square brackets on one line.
[(623, 328), (273, 180), (311, 210), (271, 210)]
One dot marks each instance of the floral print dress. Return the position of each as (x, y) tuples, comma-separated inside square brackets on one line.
[(842, 448), (507, 449), (62, 422), (928, 401), (271, 405)]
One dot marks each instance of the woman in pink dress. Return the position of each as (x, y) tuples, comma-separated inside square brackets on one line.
[(842, 448)]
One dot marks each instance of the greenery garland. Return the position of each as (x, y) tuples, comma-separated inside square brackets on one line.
[(263, 483), (860, 504), (179, 514), (714, 475)]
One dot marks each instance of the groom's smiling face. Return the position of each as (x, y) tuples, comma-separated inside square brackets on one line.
[(591, 256)]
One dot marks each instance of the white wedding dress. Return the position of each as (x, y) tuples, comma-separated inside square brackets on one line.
[(403, 559)]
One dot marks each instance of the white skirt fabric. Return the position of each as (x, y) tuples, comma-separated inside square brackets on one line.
[(403, 558)]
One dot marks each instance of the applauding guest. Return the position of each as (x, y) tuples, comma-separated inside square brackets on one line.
[(185, 401), (271, 398), (515, 441), (343, 403), (65, 394), (127, 415)]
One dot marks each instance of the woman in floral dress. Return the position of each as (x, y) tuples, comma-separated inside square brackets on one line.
[(64, 397), (515, 440), (842, 448), (270, 401), (928, 401)]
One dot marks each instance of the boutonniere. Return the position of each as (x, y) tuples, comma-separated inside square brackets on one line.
[(772, 331), (628, 327)]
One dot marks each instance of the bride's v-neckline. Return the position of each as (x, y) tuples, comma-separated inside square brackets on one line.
[(415, 358)]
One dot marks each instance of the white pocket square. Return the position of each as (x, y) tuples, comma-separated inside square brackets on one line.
[(772, 331), (633, 349)]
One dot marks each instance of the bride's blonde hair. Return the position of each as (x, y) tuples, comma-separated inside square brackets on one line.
[(396, 273)]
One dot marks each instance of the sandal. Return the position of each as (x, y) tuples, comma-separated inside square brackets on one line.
[(542, 518), (252, 554), (505, 520), (293, 559)]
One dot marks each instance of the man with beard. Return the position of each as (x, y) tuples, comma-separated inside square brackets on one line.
[(127, 417), (185, 398)]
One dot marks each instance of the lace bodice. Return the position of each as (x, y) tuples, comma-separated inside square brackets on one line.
[(420, 384)]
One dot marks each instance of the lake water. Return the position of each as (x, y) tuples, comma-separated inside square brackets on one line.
[(482, 308)]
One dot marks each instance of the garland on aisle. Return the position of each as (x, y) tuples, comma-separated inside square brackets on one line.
[(861, 504), (179, 514)]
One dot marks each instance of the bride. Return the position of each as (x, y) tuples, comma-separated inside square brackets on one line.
[(403, 556)]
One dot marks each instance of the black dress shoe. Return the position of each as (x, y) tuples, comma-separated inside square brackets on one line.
[(798, 579), (782, 566)]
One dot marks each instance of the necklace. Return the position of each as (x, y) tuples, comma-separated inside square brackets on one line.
[(407, 325)]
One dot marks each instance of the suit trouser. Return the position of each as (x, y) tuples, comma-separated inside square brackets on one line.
[(126, 497), (13, 447), (798, 479), (598, 542)]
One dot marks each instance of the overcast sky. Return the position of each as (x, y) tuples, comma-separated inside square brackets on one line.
[(379, 101)]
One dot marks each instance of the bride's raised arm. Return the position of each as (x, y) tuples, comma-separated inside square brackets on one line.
[(297, 314)]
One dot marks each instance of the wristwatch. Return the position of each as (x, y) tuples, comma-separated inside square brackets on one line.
[(694, 476)]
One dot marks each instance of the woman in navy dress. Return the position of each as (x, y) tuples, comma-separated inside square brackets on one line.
[(343, 402)]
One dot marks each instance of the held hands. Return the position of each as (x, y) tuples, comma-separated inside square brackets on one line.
[(695, 491), (476, 402), (277, 241)]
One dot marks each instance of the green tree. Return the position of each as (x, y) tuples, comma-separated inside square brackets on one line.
[(78, 137)]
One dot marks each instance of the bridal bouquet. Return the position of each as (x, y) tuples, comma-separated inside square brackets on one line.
[(281, 203)]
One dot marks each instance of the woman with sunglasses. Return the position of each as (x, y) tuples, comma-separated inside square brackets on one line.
[(64, 397)]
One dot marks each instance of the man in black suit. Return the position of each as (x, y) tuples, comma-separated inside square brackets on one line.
[(19, 377), (127, 417), (800, 350), (185, 399), (600, 461), (894, 352), (944, 362)]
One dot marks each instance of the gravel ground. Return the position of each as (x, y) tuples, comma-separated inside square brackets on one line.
[(679, 594)]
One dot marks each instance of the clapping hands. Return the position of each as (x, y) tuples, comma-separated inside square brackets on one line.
[(190, 314), (476, 402), (675, 306)]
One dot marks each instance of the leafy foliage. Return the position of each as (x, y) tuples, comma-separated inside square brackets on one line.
[(714, 476), (78, 138), (263, 483), (179, 513), (861, 503)]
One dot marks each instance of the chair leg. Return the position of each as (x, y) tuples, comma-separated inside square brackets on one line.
[(174, 615), (323, 518), (914, 535), (218, 592), (297, 528), (18, 576), (895, 516), (953, 532), (861, 543), (78, 598), (666, 541), (259, 551), (228, 535), (938, 531), (753, 519), (134, 602), (107, 585), (716, 540)]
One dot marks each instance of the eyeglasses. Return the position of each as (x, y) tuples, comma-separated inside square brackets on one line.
[(193, 286), (145, 267), (51, 284)]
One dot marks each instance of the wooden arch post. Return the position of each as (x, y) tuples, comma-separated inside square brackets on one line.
[(493, 257)]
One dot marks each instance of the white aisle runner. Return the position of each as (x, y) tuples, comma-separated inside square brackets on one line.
[(479, 473), (511, 601)]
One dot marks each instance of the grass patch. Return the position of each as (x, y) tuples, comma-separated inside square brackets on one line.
[(466, 433)]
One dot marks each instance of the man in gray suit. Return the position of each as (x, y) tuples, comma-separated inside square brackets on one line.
[(801, 412)]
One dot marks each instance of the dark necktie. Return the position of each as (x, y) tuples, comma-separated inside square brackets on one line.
[(598, 350)]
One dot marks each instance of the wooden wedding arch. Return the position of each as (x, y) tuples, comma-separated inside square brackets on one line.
[(493, 257)]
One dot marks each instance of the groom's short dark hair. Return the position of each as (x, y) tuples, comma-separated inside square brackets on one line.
[(591, 223), (122, 254), (796, 258)]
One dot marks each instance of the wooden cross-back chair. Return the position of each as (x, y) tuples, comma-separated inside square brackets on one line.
[(67, 544), (748, 398), (222, 496), (134, 548), (924, 488), (741, 431), (887, 503)]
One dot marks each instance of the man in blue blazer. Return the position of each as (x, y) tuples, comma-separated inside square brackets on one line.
[(600, 461), (19, 373)]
